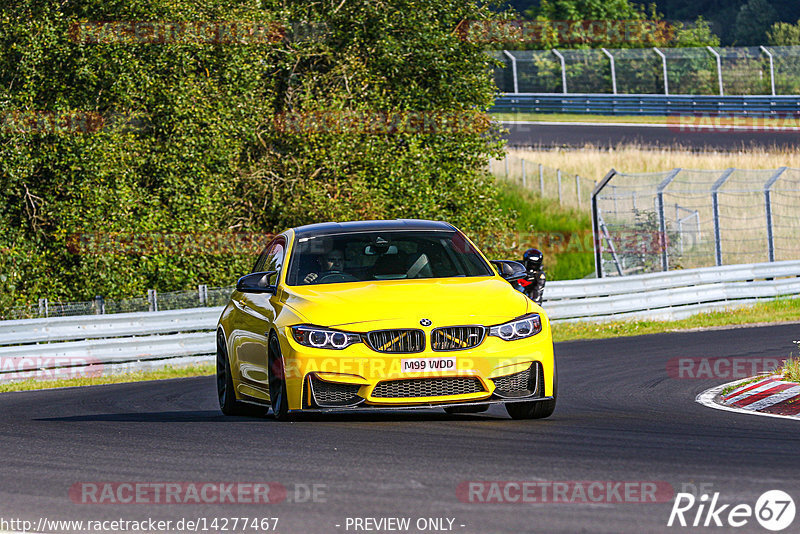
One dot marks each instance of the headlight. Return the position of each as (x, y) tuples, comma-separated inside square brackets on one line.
[(526, 326), (323, 338)]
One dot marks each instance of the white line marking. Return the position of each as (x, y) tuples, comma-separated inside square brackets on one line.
[(706, 398)]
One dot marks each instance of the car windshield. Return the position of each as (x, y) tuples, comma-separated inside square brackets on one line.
[(391, 255)]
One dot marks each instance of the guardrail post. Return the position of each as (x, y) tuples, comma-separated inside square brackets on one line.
[(541, 178), (563, 70), (768, 209), (662, 222), (152, 299), (513, 70), (664, 67), (558, 172), (771, 70), (613, 70), (597, 240), (202, 291), (719, 70), (43, 310), (715, 207), (99, 305), (524, 177)]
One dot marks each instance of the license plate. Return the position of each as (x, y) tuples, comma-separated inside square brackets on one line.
[(420, 365)]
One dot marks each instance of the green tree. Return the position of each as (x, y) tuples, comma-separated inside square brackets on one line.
[(753, 21), (784, 34)]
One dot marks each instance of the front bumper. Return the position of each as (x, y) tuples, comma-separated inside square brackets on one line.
[(359, 378)]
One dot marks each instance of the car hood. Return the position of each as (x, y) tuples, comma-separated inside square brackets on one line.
[(363, 306)]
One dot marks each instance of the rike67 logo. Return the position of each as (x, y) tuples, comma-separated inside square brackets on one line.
[(774, 510)]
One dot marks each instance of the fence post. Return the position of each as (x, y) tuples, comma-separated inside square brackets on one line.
[(524, 177), (768, 209), (513, 70), (662, 222), (664, 67), (541, 178), (563, 70), (771, 68), (152, 299), (506, 160), (715, 207), (559, 186), (99, 305), (43, 310), (596, 238), (613, 70), (578, 188), (719, 70)]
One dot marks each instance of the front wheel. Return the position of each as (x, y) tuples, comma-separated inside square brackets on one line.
[(535, 409), (277, 381), (225, 393)]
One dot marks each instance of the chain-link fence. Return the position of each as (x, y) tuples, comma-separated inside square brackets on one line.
[(570, 190), (689, 71), (154, 301), (689, 218)]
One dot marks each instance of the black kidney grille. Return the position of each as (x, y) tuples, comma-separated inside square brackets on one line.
[(398, 341), (333, 394), (457, 337), (427, 387), (522, 384)]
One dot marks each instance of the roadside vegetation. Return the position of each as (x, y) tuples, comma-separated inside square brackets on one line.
[(594, 163)]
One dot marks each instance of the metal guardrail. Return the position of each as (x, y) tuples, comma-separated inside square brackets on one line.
[(666, 105), (148, 336)]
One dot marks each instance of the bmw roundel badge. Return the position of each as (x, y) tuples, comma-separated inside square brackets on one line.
[(425, 322)]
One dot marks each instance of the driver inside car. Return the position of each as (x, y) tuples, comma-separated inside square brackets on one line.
[(333, 261)]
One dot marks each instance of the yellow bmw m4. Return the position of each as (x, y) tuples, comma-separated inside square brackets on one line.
[(383, 315)]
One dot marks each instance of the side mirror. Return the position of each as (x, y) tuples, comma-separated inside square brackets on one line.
[(512, 271), (256, 283)]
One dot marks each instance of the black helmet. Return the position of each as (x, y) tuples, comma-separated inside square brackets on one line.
[(533, 259)]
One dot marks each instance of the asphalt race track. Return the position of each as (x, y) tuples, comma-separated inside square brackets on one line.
[(620, 417), (554, 135)]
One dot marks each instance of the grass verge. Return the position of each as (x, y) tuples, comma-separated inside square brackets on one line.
[(534, 215), (781, 310), (791, 369), (139, 376)]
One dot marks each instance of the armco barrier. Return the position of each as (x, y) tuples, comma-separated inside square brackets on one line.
[(603, 104), (150, 336)]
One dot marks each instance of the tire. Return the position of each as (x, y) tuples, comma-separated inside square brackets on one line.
[(225, 392), (536, 409), (277, 381), (466, 409)]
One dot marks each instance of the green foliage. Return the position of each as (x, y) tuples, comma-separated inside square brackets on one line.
[(190, 145), (563, 235), (753, 21), (784, 34)]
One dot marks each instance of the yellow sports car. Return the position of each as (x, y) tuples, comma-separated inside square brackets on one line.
[(383, 315)]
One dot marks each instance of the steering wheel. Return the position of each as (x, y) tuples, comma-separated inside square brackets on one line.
[(336, 276)]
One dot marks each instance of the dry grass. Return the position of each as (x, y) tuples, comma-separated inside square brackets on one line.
[(594, 163)]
